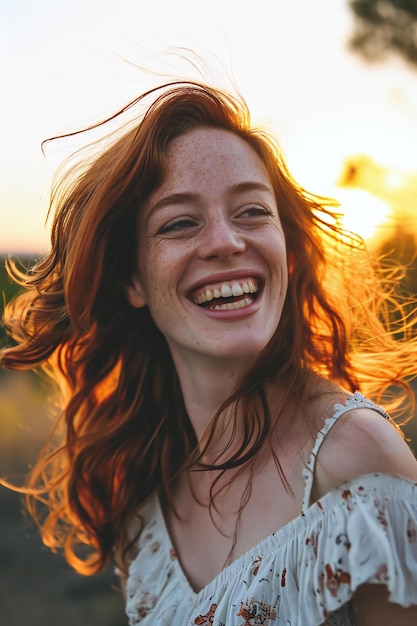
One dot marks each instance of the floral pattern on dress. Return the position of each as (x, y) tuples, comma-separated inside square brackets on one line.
[(207, 619), (144, 606), (255, 612)]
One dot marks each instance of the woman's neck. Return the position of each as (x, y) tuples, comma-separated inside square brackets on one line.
[(205, 387)]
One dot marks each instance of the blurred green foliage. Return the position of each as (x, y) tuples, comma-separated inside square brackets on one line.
[(383, 26), (8, 289)]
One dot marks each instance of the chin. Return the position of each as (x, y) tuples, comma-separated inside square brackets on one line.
[(245, 350)]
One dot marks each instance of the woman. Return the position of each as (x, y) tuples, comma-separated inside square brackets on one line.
[(207, 321)]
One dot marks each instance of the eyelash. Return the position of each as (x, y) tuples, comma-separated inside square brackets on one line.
[(258, 210), (176, 225)]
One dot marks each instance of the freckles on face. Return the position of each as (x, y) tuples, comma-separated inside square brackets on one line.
[(211, 249)]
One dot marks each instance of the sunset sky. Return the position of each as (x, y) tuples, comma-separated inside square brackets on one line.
[(68, 64)]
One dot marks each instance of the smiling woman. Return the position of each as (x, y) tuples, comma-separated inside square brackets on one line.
[(212, 330), (211, 229)]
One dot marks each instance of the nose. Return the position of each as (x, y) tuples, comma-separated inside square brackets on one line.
[(220, 239)]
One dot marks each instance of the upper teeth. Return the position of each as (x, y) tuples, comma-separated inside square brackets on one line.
[(227, 290)]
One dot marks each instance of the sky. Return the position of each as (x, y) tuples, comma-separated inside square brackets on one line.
[(68, 64)]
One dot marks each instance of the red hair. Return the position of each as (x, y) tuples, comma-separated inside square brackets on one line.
[(124, 432)]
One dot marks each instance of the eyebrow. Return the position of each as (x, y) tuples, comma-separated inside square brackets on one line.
[(250, 185), (186, 197)]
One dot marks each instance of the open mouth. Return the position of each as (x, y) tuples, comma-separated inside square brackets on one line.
[(228, 296)]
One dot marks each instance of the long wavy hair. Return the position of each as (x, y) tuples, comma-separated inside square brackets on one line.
[(123, 431)]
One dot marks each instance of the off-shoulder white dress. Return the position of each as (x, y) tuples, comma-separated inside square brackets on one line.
[(365, 531)]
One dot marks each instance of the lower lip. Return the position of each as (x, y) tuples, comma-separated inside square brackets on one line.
[(233, 314)]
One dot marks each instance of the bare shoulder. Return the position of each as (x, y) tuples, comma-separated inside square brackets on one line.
[(362, 442), (373, 608)]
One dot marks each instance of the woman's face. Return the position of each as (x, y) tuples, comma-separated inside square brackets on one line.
[(212, 260)]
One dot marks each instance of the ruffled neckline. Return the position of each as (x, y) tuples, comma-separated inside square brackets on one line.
[(386, 484)]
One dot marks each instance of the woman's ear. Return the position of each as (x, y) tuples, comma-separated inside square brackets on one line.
[(136, 293)]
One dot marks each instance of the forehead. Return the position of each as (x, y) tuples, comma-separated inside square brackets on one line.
[(206, 153)]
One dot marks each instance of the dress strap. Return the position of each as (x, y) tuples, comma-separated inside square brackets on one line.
[(355, 401)]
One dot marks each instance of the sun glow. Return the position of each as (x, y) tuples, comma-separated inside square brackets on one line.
[(363, 213), (376, 197)]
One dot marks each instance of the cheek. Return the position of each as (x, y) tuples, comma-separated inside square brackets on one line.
[(159, 278), (163, 263), (151, 263)]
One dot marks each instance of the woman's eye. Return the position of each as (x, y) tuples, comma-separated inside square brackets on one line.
[(255, 210), (176, 226)]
